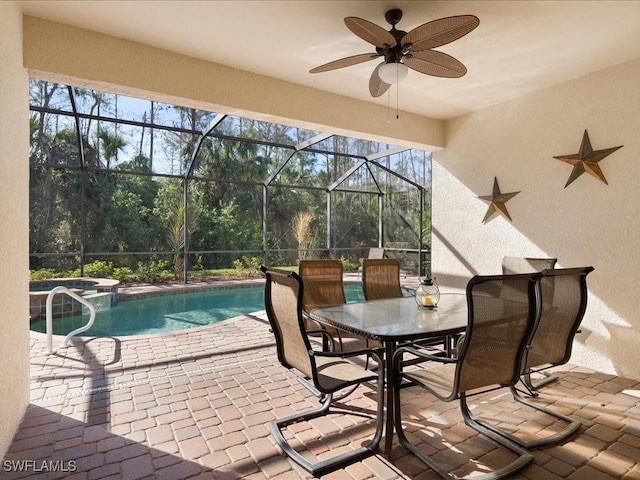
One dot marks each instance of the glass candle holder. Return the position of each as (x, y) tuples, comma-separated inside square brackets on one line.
[(428, 293)]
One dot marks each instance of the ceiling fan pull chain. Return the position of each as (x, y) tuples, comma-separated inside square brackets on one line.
[(389, 106), (397, 101)]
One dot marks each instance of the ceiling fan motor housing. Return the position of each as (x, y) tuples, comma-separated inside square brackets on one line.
[(393, 53)]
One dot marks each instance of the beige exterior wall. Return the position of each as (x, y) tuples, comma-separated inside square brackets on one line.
[(14, 226), (58, 52), (587, 223)]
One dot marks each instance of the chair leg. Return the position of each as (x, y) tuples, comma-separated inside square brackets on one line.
[(339, 461), (570, 429), (523, 459), (532, 390)]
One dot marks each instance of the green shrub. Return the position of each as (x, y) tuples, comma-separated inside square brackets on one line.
[(123, 274), (167, 275), (43, 274), (150, 271), (349, 265), (199, 265), (247, 266), (239, 266), (98, 269)]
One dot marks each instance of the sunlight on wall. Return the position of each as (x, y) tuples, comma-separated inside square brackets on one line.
[(588, 223)]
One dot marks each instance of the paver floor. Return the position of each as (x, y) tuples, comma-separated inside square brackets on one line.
[(196, 403)]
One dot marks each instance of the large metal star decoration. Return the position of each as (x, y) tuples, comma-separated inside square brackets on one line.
[(497, 202), (586, 160)]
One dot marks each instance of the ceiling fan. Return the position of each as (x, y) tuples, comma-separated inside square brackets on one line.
[(406, 49)]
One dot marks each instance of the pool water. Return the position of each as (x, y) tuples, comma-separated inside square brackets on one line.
[(166, 313)]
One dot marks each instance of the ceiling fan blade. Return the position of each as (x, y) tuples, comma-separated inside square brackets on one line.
[(439, 32), (370, 32), (345, 62), (376, 86), (437, 64)]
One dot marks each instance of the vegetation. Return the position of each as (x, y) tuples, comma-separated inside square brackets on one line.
[(117, 209), (303, 232), (154, 272)]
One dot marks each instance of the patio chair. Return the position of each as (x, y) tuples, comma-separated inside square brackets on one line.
[(550, 344), (323, 287), (511, 265), (323, 373), (501, 316), (381, 278), (375, 253), (559, 322)]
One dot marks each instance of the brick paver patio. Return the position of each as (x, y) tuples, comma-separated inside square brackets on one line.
[(196, 403)]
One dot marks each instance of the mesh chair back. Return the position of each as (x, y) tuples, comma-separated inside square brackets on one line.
[(381, 278), (502, 314), (560, 317), (323, 285), (282, 297), (511, 265)]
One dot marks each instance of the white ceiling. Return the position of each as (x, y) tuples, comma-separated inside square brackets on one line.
[(519, 47)]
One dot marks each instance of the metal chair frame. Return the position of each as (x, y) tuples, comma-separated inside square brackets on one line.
[(516, 321), (536, 343), (295, 352)]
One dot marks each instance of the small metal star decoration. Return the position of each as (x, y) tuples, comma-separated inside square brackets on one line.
[(497, 202), (586, 160)]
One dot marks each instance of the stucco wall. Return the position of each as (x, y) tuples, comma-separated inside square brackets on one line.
[(14, 226), (587, 223)]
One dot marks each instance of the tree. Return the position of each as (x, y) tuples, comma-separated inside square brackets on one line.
[(176, 232), (111, 143)]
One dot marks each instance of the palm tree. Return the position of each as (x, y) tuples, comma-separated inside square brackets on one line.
[(176, 231), (111, 144)]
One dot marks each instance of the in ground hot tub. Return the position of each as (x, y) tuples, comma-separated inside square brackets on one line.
[(101, 290)]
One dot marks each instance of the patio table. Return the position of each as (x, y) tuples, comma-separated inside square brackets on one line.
[(392, 321)]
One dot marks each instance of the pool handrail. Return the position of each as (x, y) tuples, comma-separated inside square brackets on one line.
[(49, 319)]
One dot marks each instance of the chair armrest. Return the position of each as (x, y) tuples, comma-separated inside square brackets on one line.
[(321, 331), (348, 353), (309, 318), (421, 354), (330, 342)]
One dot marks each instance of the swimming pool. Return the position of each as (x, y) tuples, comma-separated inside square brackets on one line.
[(166, 313)]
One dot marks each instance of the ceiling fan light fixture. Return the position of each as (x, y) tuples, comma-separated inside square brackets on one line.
[(393, 72)]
